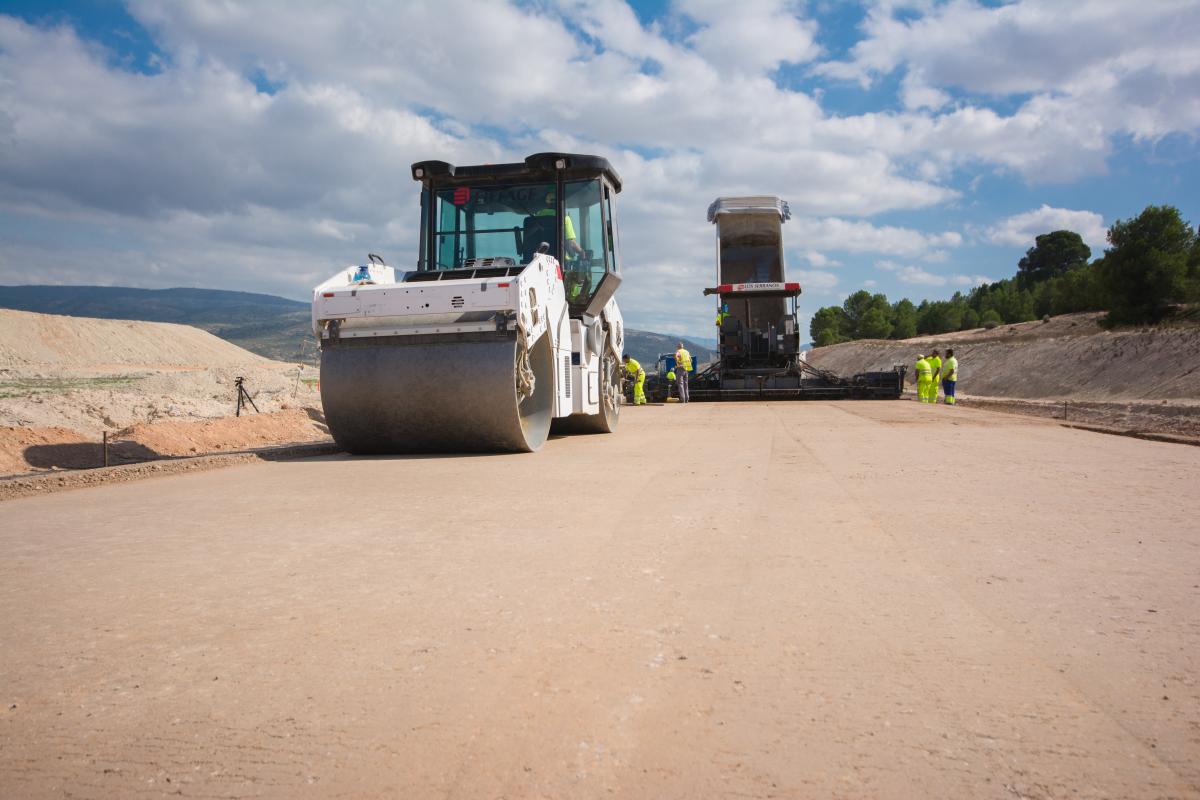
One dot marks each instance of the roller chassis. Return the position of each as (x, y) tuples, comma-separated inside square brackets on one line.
[(489, 356)]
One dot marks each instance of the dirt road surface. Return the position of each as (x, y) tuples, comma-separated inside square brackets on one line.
[(765, 600)]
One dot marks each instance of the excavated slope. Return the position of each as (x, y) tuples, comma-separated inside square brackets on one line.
[(1068, 358), (29, 340)]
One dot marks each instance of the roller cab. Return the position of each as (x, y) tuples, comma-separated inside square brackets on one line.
[(505, 326)]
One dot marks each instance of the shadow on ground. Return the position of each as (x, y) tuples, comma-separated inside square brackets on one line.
[(86, 455)]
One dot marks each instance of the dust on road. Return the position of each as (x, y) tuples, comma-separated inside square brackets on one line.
[(766, 600)]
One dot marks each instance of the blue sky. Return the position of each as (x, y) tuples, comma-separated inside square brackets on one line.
[(261, 145)]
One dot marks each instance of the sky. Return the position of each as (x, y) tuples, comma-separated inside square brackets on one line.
[(262, 145)]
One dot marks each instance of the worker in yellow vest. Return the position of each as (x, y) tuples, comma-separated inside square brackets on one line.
[(683, 365), (924, 377), (639, 379), (949, 377), (935, 365), (722, 313)]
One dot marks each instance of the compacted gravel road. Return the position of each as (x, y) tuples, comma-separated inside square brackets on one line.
[(876, 599)]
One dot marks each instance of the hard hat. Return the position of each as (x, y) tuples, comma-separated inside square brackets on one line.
[(919, 356)]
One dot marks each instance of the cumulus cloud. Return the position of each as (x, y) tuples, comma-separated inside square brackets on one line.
[(907, 273), (1020, 230), (1090, 71), (815, 280), (192, 175), (750, 36), (860, 236)]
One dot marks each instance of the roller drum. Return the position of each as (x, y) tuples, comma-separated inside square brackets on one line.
[(430, 394)]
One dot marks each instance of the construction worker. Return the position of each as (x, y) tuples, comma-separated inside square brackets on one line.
[(575, 281), (949, 377), (639, 380), (570, 246), (924, 376), (670, 380), (722, 313), (935, 365), (683, 361)]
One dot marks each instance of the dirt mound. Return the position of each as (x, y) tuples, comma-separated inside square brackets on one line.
[(178, 438), (28, 339), (15, 443), (96, 375), (1068, 358)]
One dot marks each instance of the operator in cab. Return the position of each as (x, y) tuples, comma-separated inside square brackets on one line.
[(570, 243)]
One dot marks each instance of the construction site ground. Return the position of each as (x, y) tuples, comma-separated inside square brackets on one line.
[(849, 600)]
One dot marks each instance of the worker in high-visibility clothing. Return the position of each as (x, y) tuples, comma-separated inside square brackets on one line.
[(639, 380), (670, 380), (935, 365), (570, 246), (949, 377), (722, 313), (924, 377), (683, 363)]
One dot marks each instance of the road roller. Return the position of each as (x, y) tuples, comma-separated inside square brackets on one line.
[(505, 329)]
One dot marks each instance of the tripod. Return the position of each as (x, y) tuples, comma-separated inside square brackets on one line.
[(243, 396)]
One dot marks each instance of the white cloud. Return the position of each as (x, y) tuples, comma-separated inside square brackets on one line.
[(910, 274), (814, 280), (970, 280), (1020, 230), (819, 260), (1091, 71), (917, 94), (750, 36), (858, 236), (906, 273)]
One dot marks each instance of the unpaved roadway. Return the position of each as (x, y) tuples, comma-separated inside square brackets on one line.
[(763, 600)]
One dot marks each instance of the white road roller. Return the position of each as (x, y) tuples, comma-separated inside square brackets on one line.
[(505, 329)]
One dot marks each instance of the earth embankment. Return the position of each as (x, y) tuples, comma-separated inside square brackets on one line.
[(158, 389), (1070, 367)]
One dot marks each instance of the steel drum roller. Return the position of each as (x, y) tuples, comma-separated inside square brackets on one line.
[(408, 394)]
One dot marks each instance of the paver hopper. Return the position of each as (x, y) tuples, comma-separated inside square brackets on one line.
[(759, 337), (506, 327)]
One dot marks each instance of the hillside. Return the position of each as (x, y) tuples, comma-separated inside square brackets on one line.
[(646, 347), (1147, 378), (28, 339), (90, 375), (271, 326)]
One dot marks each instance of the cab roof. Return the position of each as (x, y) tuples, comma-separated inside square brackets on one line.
[(539, 166)]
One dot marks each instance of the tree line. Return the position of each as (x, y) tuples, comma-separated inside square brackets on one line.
[(1152, 265)]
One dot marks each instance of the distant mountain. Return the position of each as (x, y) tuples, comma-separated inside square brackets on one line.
[(265, 324), (271, 326), (646, 347)]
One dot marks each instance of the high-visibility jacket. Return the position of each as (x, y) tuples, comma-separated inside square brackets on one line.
[(568, 225), (950, 369), (924, 371), (684, 359), (671, 375), (721, 315), (634, 367), (935, 366)]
